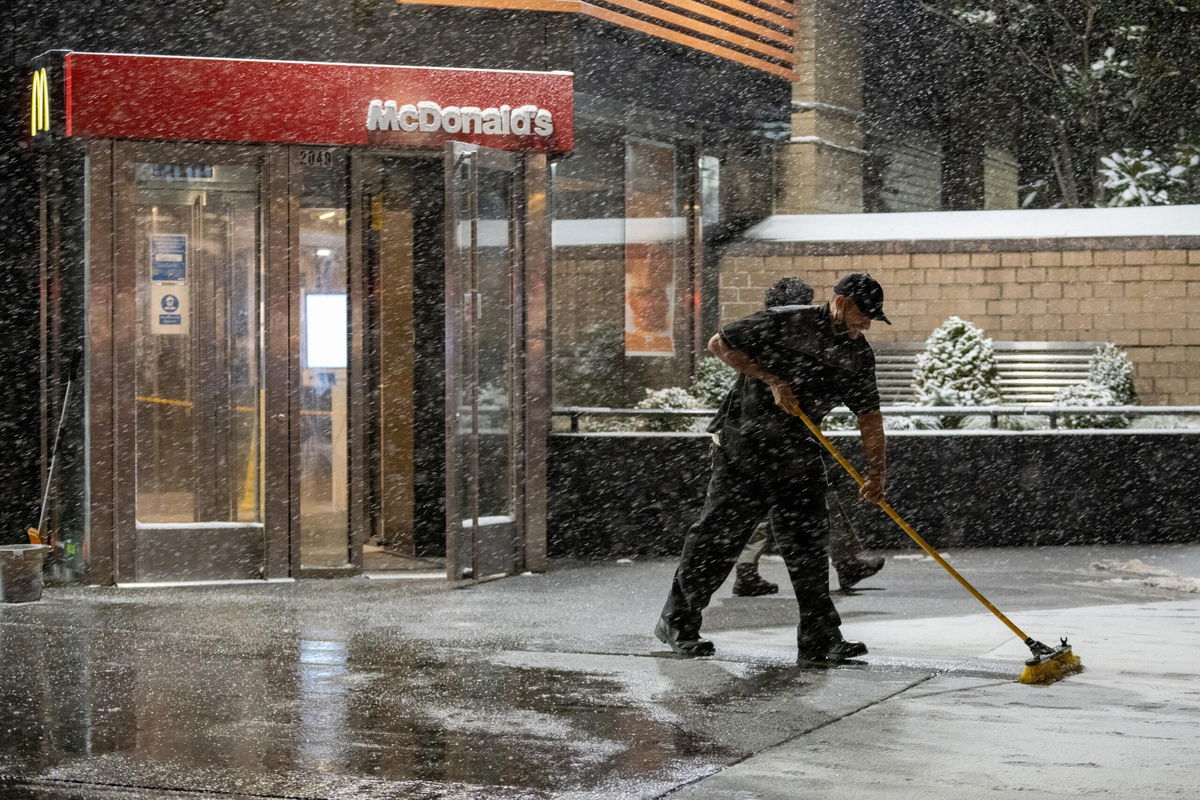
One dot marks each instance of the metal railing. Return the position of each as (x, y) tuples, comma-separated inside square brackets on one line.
[(574, 414)]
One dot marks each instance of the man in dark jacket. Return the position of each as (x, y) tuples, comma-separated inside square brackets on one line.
[(808, 358), (850, 559)]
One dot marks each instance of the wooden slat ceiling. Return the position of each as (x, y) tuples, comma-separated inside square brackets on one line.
[(757, 33)]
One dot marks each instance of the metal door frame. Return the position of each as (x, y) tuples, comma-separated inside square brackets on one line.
[(528, 407), (111, 535), (116, 348)]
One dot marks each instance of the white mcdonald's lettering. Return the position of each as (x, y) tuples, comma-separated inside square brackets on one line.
[(39, 108), (427, 117)]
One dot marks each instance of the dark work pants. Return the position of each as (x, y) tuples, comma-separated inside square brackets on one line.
[(844, 543), (791, 490)]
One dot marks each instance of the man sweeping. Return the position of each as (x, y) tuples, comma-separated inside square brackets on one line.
[(850, 560), (808, 358)]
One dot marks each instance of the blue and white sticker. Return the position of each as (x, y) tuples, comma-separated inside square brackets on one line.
[(168, 257), (168, 308)]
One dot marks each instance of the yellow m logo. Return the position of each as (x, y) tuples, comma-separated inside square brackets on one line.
[(39, 109)]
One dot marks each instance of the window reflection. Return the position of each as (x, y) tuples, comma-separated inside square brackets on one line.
[(624, 299)]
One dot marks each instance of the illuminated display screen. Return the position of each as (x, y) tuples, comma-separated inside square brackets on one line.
[(325, 331)]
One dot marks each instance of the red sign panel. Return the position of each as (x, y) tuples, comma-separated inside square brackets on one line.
[(231, 100)]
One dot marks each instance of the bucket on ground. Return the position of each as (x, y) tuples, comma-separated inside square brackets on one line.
[(21, 572)]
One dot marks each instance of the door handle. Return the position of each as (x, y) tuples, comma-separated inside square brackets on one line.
[(473, 304)]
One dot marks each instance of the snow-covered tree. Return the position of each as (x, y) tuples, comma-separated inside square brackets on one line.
[(714, 378), (1093, 79), (1146, 178), (1111, 368), (956, 368), (1087, 395)]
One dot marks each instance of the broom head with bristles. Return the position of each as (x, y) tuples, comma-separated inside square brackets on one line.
[(1050, 664)]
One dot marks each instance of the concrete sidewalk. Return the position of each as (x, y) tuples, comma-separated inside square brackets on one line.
[(1126, 727), (552, 686)]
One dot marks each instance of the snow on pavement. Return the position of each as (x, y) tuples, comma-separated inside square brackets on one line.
[(1128, 726)]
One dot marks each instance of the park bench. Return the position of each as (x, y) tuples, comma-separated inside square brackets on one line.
[(1030, 372)]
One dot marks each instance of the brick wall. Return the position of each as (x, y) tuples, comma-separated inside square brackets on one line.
[(1142, 297)]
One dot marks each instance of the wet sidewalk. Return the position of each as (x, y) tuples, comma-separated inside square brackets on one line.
[(552, 686)]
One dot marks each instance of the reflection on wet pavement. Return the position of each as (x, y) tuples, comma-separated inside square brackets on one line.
[(535, 686), (281, 692)]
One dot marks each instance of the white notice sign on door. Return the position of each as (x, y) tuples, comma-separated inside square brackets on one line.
[(169, 308)]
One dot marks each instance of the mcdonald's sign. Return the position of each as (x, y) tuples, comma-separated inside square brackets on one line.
[(125, 96), (39, 106)]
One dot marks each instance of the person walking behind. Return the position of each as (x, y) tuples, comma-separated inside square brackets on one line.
[(850, 561), (793, 358)]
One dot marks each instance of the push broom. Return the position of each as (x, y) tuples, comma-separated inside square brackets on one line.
[(1047, 664)]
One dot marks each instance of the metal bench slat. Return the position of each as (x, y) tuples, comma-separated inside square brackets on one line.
[(1029, 372)]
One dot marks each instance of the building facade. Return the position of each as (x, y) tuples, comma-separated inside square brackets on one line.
[(300, 277)]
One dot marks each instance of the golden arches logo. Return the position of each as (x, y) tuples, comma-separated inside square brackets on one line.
[(39, 111)]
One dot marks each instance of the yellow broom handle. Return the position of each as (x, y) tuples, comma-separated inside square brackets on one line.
[(891, 512)]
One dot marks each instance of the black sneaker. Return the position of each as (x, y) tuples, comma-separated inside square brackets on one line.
[(861, 568), (749, 583), (680, 643), (837, 652)]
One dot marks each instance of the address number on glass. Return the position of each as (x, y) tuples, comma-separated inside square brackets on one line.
[(316, 158)]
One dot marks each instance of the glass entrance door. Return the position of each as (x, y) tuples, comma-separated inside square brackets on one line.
[(190, 384), (483, 362), (323, 401)]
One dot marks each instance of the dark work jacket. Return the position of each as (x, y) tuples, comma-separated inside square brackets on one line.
[(823, 365)]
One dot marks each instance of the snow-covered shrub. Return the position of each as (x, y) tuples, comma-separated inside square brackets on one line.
[(924, 423), (1111, 368), (978, 422), (900, 423), (975, 16), (1166, 422), (1087, 395), (612, 425), (956, 368), (714, 378), (1022, 422), (843, 420), (673, 397)]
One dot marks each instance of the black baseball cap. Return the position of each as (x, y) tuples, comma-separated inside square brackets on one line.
[(866, 293)]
